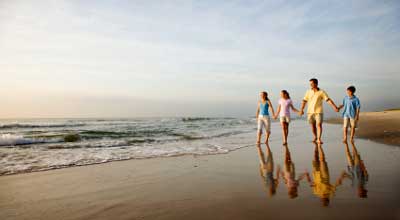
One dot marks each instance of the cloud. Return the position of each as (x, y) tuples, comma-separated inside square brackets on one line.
[(177, 50)]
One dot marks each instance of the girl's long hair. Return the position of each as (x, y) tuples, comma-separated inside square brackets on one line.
[(265, 95), (285, 93)]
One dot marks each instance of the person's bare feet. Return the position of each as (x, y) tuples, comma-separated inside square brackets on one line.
[(284, 143), (314, 140), (344, 140), (266, 141), (319, 141), (352, 140)]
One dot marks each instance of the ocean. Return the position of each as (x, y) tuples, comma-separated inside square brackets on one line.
[(28, 145)]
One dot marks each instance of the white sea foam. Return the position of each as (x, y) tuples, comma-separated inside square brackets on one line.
[(10, 139), (36, 148)]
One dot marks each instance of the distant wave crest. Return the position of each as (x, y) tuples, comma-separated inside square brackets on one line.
[(27, 125)]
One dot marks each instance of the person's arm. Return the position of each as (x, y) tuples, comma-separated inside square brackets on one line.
[(303, 105), (294, 109), (358, 114), (358, 111), (308, 178), (277, 111), (329, 101), (339, 181), (342, 105), (272, 107), (333, 105), (301, 177), (258, 110)]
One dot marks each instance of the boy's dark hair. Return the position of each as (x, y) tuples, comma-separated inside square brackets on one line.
[(352, 89), (314, 80)]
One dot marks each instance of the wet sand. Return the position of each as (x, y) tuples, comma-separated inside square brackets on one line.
[(383, 127), (228, 186)]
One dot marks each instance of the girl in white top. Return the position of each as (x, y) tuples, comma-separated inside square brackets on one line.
[(284, 106)]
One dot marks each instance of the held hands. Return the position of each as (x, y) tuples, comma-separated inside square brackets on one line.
[(337, 109), (301, 112)]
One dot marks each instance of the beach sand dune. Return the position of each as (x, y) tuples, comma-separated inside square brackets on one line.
[(383, 127)]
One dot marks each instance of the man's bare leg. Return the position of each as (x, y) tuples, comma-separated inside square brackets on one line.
[(314, 131), (319, 133)]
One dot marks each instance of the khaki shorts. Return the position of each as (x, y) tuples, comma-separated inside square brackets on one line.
[(264, 122), (349, 122), (284, 119), (317, 118)]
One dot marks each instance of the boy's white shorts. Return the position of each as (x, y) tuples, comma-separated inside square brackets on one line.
[(263, 122), (349, 122)]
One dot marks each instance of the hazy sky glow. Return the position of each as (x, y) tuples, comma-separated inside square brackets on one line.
[(173, 58)]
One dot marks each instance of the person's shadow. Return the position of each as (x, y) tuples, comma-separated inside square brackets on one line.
[(267, 170), (356, 171)]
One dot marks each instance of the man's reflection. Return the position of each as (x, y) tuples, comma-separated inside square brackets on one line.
[(289, 175), (267, 170), (321, 183), (356, 171)]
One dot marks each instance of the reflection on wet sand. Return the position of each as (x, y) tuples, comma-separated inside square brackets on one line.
[(320, 181), (289, 175), (356, 171), (267, 170)]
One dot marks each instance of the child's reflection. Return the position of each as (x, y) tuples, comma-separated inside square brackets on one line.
[(267, 170), (356, 171), (289, 175)]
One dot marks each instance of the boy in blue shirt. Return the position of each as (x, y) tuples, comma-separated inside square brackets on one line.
[(351, 113)]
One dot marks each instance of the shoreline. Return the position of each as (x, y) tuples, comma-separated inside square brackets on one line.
[(382, 127), (222, 186)]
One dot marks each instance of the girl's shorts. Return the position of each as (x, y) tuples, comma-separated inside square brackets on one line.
[(284, 119)]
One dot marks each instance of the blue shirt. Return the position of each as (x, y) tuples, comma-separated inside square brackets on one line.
[(350, 106), (264, 108)]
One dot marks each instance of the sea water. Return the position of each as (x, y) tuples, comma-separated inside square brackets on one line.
[(28, 145)]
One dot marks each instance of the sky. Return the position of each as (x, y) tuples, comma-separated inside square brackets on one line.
[(191, 58)]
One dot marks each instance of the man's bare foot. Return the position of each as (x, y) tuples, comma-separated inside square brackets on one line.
[(284, 143), (319, 142), (352, 140), (314, 140), (344, 140), (266, 141), (258, 142)]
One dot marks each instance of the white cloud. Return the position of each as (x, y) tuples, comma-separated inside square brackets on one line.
[(221, 50)]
